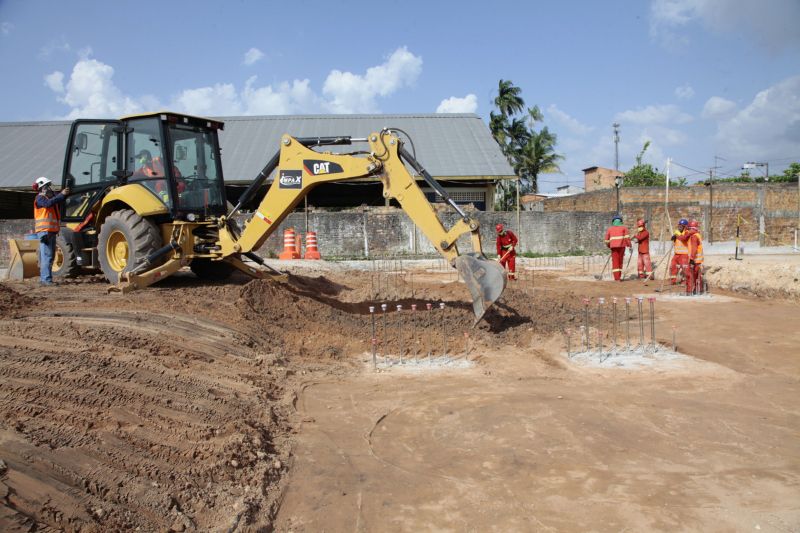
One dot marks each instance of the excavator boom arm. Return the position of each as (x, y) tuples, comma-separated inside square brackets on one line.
[(300, 169)]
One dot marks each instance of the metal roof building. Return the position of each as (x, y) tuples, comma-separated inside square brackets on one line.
[(457, 149)]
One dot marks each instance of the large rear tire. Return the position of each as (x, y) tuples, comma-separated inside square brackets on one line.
[(211, 270), (125, 241), (65, 262)]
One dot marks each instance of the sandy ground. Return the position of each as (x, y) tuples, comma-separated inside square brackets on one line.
[(248, 406)]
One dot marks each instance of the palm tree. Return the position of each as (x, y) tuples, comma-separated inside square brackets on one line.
[(508, 100), (537, 156)]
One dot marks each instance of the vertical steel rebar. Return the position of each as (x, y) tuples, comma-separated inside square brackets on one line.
[(627, 324), (586, 321), (374, 340), (639, 300), (401, 344), (414, 330), (466, 346), (444, 335), (383, 335), (584, 332), (429, 306), (614, 341), (600, 303), (652, 301)]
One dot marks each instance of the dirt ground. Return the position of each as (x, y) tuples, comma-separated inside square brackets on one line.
[(247, 405)]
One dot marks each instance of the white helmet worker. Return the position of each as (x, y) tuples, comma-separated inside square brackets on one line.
[(42, 181)]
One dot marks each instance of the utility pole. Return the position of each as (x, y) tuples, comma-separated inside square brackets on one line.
[(617, 180), (711, 198)]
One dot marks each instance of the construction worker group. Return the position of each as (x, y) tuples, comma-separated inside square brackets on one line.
[(686, 265)]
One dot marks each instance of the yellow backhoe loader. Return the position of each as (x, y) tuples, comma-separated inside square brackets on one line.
[(148, 199)]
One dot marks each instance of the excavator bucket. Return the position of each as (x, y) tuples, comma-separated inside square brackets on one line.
[(24, 259), (485, 279)]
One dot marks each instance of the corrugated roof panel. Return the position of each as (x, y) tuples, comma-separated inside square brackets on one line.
[(446, 144)]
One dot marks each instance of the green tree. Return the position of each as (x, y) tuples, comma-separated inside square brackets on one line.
[(644, 175), (790, 174), (529, 151)]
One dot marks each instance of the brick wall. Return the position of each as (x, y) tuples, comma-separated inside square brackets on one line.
[(768, 211)]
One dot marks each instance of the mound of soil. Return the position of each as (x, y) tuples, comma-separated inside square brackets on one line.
[(12, 303)]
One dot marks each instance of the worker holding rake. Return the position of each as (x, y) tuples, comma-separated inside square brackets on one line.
[(617, 239), (507, 250)]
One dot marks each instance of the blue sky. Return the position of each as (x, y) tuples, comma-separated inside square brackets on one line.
[(697, 78)]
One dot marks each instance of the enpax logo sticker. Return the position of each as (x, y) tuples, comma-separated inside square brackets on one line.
[(291, 179), (318, 167)]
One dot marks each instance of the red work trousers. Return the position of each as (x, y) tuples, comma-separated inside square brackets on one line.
[(510, 262), (694, 279), (645, 266), (617, 255), (678, 261)]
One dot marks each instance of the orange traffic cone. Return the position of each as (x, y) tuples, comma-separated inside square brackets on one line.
[(289, 245), (312, 252)]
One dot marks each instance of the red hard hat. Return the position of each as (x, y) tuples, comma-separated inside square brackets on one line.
[(694, 224), (499, 228), (640, 222)]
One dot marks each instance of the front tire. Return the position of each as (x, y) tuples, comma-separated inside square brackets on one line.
[(65, 262), (125, 241), (211, 270)]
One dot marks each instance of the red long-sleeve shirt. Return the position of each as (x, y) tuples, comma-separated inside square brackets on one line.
[(505, 242), (643, 238), (618, 237)]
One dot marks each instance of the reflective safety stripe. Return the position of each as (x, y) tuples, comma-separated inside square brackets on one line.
[(47, 218), (616, 270), (680, 247), (618, 237)]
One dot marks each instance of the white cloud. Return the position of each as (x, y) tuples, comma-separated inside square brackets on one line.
[(773, 24), (768, 128), (684, 92), (353, 93), (655, 114), (717, 107), (572, 124), (454, 104), (54, 46), (252, 55), (55, 80), (90, 91), (219, 99), (6, 28)]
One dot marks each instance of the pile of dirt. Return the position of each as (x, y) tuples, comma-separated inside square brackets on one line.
[(12, 303), (767, 280), (327, 317)]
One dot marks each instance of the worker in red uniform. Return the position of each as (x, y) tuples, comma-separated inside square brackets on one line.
[(694, 277), (617, 239), (680, 259), (642, 239), (507, 249)]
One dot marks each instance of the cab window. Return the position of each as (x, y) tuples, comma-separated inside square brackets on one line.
[(145, 157)]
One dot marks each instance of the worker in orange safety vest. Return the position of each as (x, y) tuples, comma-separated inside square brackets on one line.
[(680, 258), (617, 239), (47, 209), (694, 277), (642, 239), (507, 250)]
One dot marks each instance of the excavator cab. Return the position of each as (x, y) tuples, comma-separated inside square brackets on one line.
[(175, 158)]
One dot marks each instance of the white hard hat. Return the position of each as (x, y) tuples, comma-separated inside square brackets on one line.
[(42, 181)]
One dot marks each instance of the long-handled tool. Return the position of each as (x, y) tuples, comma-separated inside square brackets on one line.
[(503, 258), (600, 276), (666, 268), (625, 270)]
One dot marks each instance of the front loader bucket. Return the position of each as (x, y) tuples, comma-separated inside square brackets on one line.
[(485, 279), (24, 259)]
